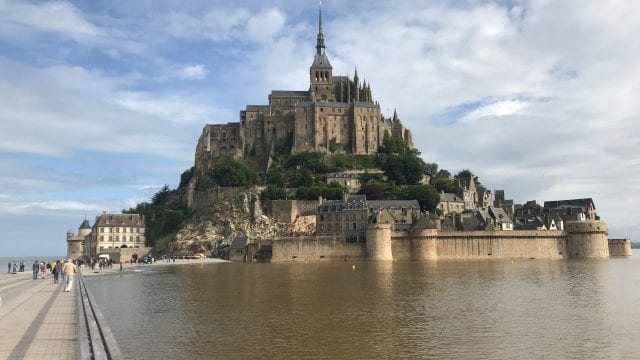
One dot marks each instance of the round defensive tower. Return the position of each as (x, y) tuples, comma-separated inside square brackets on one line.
[(84, 229), (423, 244), (379, 242), (75, 244), (587, 239)]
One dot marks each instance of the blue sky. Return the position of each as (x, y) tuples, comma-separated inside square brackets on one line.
[(102, 102)]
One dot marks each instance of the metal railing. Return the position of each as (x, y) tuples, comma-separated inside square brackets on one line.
[(95, 339)]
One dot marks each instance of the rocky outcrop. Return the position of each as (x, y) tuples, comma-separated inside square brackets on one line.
[(215, 224)]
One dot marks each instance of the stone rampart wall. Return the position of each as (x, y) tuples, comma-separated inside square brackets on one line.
[(321, 248), (286, 211), (584, 241), (307, 207), (501, 245)]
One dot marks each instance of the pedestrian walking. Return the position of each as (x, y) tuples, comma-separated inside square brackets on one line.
[(15, 267), (56, 269), (43, 269), (35, 267), (68, 269), (9, 269)]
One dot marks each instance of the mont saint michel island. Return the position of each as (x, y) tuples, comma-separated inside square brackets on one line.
[(451, 180), (321, 174)]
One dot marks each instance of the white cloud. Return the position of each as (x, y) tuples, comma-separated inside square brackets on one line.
[(197, 72), (172, 108), (498, 108), (54, 110), (39, 207), (55, 16)]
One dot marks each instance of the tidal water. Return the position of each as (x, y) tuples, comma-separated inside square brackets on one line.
[(529, 309)]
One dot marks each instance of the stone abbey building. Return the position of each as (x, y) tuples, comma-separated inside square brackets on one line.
[(335, 111)]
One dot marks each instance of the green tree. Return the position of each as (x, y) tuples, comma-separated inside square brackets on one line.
[(400, 163), (275, 176), (431, 169), (334, 146), (405, 169), (393, 145), (185, 177), (273, 192), (372, 191), (367, 177), (299, 178), (444, 184), (310, 160), (427, 196), (466, 173), (233, 173), (315, 191), (161, 196)]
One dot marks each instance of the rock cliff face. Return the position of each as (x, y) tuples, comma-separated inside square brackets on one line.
[(229, 213)]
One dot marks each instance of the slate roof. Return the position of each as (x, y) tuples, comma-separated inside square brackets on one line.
[(387, 204), (85, 224), (354, 202), (120, 220), (500, 215), (470, 223), (573, 202), (449, 197), (289, 93), (321, 61)]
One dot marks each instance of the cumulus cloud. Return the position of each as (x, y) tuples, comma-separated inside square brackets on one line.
[(54, 110), (39, 207), (197, 72), (59, 17)]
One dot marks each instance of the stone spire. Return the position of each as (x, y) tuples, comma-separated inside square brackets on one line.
[(320, 42), (320, 60)]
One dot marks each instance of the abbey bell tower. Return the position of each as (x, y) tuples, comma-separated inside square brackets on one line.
[(320, 73)]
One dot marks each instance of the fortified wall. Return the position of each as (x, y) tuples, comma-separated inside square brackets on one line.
[(579, 240), (286, 211)]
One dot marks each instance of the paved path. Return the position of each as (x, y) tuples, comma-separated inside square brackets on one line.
[(38, 320)]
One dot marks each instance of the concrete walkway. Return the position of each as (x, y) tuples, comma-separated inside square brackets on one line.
[(38, 320)]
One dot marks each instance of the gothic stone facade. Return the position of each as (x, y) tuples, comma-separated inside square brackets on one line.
[(334, 109)]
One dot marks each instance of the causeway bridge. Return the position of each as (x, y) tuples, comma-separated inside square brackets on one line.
[(38, 320)]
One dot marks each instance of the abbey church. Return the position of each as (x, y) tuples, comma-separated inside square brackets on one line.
[(335, 110)]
